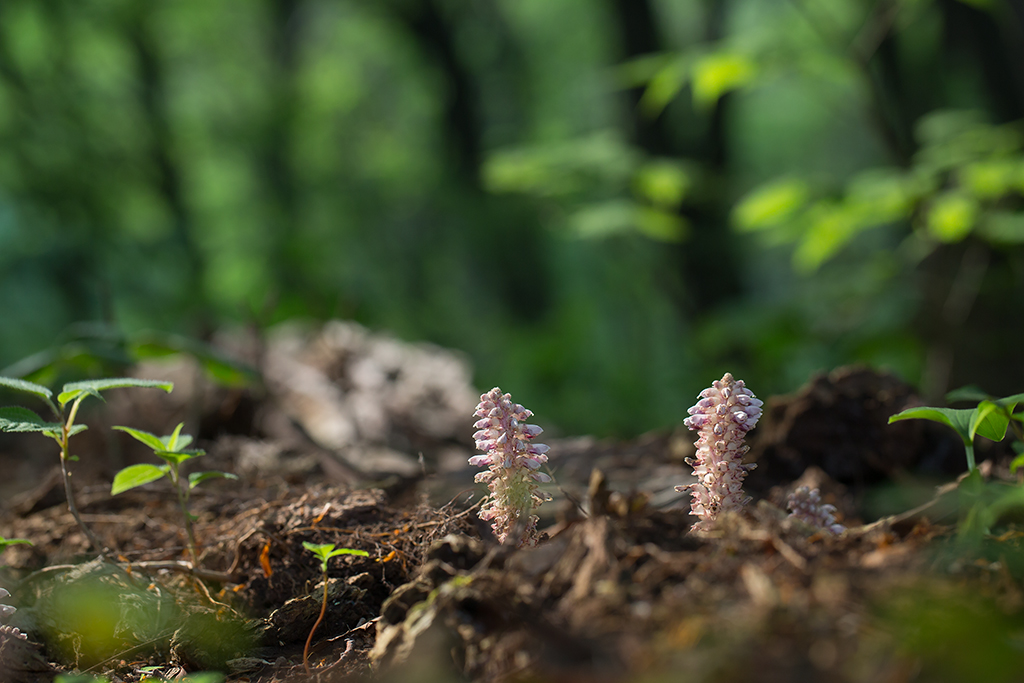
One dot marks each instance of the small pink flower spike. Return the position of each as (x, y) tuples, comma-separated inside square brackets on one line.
[(724, 414), (805, 504), (512, 460)]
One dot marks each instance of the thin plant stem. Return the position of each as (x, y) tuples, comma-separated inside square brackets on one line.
[(183, 502), (970, 457), (65, 456), (323, 610)]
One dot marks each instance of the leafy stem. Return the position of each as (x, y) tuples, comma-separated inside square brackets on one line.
[(324, 552), (19, 419)]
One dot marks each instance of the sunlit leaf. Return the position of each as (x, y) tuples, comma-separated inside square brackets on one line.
[(951, 217), (665, 85), (30, 388), (137, 475), (831, 227), (770, 205), (989, 421), (151, 440), (660, 225), (957, 418), (716, 74), (662, 183), (74, 390)]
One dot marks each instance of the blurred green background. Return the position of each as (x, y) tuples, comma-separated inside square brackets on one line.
[(605, 203)]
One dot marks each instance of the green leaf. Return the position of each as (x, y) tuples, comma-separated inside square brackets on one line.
[(326, 551), (171, 442), (951, 217), (716, 74), (958, 419), (770, 205), (18, 419), (74, 390), (197, 478), (151, 440), (178, 457), (30, 388), (137, 475), (990, 420), (6, 542)]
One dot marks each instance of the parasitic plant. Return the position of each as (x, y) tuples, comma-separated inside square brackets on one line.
[(512, 460), (726, 411), (805, 504)]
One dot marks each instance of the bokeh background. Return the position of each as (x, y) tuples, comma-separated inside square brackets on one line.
[(604, 203)]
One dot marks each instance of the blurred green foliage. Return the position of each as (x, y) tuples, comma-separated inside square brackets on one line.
[(606, 203)]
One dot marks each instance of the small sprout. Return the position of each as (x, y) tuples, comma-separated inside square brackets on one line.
[(512, 460), (805, 504), (324, 552), (7, 542), (19, 419), (724, 414), (174, 451)]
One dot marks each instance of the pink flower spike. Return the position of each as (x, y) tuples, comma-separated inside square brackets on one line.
[(724, 414), (512, 460)]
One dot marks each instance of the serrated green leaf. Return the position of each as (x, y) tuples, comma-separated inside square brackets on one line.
[(990, 421), (197, 478), (958, 419), (136, 475), (30, 388), (151, 440), (73, 390), (18, 419)]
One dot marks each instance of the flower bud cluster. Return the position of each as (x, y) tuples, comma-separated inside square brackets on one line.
[(805, 504), (513, 461), (724, 414)]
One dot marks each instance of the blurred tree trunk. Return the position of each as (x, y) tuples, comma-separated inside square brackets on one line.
[(710, 243), (152, 93)]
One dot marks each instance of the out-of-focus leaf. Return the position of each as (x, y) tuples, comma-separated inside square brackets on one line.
[(970, 392), (951, 217), (18, 419), (665, 85), (660, 225), (718, 73), (770, 205), (1003, 227), (603, 219), (831, 227), (197, 478), (663, 183), (989, 179)]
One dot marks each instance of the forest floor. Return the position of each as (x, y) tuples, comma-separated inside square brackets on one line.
[(360, 441)]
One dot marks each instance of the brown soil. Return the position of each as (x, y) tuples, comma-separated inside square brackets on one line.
[(362, 442)]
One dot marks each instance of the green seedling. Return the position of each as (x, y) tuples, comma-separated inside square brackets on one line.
[(174, 451), (65, 410), (324, 552), (990, 418), (981, 505)]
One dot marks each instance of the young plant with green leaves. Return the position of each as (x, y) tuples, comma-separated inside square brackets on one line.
[(981, 505), (64, 410), (990, 418), (174, 451), (7, 542), (324, 552)]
